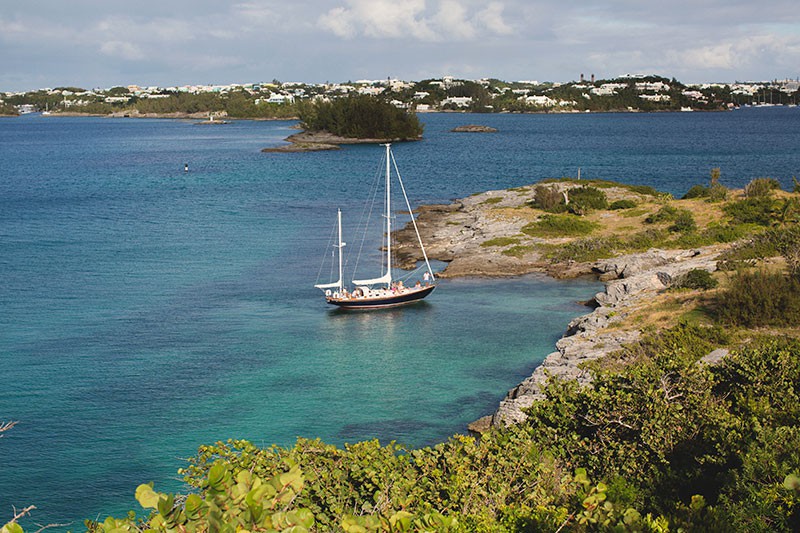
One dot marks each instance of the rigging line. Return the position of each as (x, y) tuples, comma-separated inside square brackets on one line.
[(325, 253), (413, 219), (368, 209)]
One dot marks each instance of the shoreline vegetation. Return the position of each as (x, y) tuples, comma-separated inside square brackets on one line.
[(351, 120), (284, 101), (673, 406)]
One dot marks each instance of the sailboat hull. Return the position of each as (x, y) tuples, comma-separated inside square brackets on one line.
[(380, 302)]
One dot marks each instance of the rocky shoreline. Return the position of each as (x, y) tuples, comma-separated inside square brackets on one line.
[(457, 234), (637, 278), (313, 141)]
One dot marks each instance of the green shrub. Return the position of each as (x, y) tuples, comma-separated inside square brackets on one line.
[(493, 200), (683, 222), (500, 241), (717, 193), (761, 187), (665, 214), (622, 204), (760, 298), (644, 240), (584, 250), (548, 199), (759, 210), (559, 226), (645, 190), (584, 199), (697, 279), (581, 199), (518, 250), (696, 191)]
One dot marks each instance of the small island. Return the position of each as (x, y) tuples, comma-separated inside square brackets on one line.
[(353, 120), (474, 128)]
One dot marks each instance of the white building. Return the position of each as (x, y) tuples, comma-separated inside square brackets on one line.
[(458, 101)]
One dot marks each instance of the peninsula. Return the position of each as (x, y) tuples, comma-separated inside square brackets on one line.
[(660, 259)]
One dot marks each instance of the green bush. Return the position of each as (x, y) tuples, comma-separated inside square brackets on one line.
[(760, 298), (548, 199), (500, 241), (665, 214), (622, 204), (584, 250), (696, 191), (697, 279), (584, 199), (559, 226), (683, 222), (717, 193), (759, 210), (761, 187), (581, 199)]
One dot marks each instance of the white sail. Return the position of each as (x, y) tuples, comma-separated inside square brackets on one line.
[(386, 278), (336, 285), (340, 244)]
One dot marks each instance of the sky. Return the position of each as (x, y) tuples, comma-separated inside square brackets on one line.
[(91, 44)]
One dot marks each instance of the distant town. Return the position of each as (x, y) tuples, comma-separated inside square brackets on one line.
[(276, 99)]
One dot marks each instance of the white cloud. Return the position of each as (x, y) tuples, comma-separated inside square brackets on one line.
[(492, 19), (123, 50), (446, 20), (452, 20), (339, 21)]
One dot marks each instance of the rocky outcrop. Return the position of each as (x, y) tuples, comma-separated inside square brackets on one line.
[(312, 141), (474, 128), (597, 334)]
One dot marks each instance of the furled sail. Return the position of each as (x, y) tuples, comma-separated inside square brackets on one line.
[(337, 285), (386, 278)]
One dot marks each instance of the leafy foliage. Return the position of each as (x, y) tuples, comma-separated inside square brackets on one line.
[(362, 117), (697, 279), (500, 241), (761, 298), (576, 200), (559, 226), (761, 187), (622, 204)]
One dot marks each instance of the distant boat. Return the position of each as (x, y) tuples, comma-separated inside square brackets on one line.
[(383, 291)]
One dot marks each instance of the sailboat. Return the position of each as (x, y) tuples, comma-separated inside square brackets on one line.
[(383, 291)]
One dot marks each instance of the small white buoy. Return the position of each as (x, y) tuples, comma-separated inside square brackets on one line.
[(186, 167)]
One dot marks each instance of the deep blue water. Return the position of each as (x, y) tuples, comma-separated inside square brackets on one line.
[(145, 311)]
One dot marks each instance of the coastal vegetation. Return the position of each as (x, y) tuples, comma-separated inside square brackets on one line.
[(360, 117), (8, 110), (282, 100)]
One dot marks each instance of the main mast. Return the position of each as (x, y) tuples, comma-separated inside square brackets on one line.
[(388, 217), (340, 246)]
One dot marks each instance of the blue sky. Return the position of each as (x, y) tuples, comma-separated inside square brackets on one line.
[(48, 43)]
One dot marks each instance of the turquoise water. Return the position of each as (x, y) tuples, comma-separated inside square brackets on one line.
[(145, 311)]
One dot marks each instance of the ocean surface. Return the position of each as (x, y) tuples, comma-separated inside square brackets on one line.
[(145, 310)]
